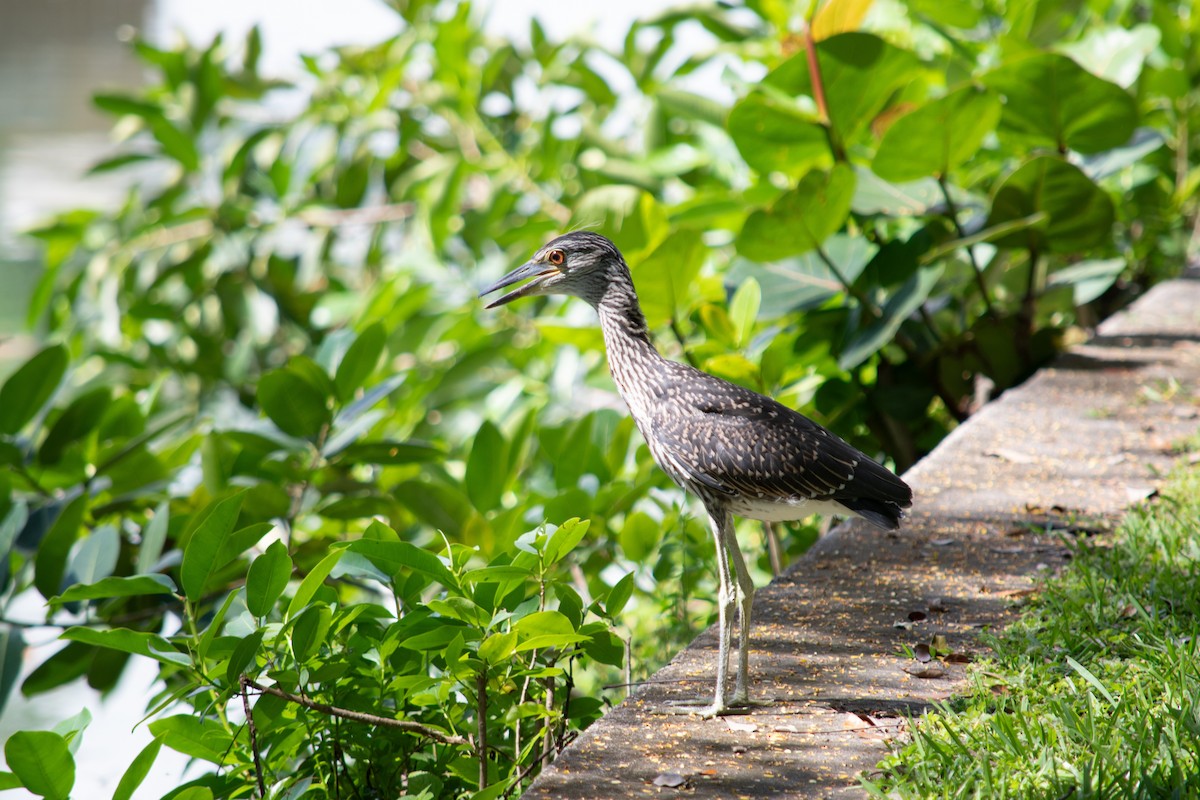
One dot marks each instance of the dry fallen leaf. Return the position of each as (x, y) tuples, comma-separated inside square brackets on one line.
[(744, 727), (925, 672)]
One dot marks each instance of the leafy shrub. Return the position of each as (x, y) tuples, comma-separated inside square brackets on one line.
[(272, 446)]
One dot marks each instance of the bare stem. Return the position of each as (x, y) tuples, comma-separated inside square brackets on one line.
[(258, 772), (958, 230)]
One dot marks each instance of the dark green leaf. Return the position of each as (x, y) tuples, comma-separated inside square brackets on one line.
[(201, 556), (312, 582), (12, 650), (899, 307), (268, 577), (1089, 279), (1054, 102), (394, 557), (391, 452), (243, 656), (138, 643), (309, 630), (28, 389), (619, 596), (360, 360), (78, 420), (43, 762), (53, 550), (800, 220), (1078, 213), (938, 136), (293, 403), (666, 278), (118, 586)]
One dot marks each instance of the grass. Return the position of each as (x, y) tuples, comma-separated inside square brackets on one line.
[(1094, 692)]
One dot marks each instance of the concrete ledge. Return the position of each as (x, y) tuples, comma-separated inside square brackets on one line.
[(1080, 441)]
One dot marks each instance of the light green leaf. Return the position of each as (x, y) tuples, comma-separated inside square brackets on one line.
[(498, 647), (137, 771), (564, 539), (293, 402), (117, 586), (139, 643), (96, 557), (631, 217), (743, 310), (359, 361), (312, 582), (394, 557), (154, 535), (267, 578), (203, 551), (193, 736), (619, 595), (28, 389), (486, 474), (43, 762), (1090, 279), (938, 136), (774, 135), (802, 219)]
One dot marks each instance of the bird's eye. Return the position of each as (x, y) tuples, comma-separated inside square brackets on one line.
[(556, 257)]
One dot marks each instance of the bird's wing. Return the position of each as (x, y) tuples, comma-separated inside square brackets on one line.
[(736, 441)]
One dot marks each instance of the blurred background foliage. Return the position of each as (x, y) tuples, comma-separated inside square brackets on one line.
[(272, 440)]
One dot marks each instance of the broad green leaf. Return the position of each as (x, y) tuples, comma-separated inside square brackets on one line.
[(860, 73), (243, 656), (140, 643), (12, 650), (12, 524), (604, 646), (498, 647), (774, 135), (312, 582), (9, 780), (899, 307), (619, 595), (78, 420), (1115, 53), (631, 217), (309, 630), (1078, 213), (394, 557), (541, 623), (28, 389), (955, 13), (297, 406), (126, 105), (391, 452), (800, 220), (241, 540), (497, 574), (938, 136), (873, 195), (96, 556), (543, 640), (43, 762), (117, 586), (193, 736), (743, 310), (665, 279), (639, 535), (51, 559), (66, 665), (1054, 102), (1089, 279), (486, 475), (203, 551), (267, 578), (564, 539), (137, 771), (805, 282), (359, 361), (215, 625)]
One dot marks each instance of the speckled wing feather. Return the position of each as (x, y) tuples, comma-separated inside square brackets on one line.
[(731, 440)]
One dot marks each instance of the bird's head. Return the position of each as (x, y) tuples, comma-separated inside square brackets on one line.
[(581, 263)]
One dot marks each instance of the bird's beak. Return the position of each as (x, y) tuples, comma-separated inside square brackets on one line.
[(531, 269)]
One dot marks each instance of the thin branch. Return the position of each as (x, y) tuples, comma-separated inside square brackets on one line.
[(357, 716), (818, 86), (481, 713), (258, 772), (958, 230), (862, 299)]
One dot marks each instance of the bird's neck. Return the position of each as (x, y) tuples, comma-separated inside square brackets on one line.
[(626, 336)]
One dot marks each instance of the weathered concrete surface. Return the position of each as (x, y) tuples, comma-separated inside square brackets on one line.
[(1079, 441)]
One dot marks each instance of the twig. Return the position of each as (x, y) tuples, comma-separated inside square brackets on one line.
[(958, 230), (357, 716), (481, 713), (258, 772), (818, 86), (682, 342)]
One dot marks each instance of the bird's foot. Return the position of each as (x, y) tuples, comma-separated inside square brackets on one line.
[(708, 710), (744, 702)]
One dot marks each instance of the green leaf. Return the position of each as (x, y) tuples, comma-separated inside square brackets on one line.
[(176, 143), (12, 651), (243, 656), (28, 389), (200, 557), (938, 136), (43, 762), (139, 643), (639, 536), (394, 557), (78, 420), (1054, 102), (873, 195), (154, 535), (312, 582), (294, 403), (391, 452), (53, 550), (955, 13), (666, 278), (774, 135), (899, 307), (800, 220), (1078, 213), (309, 630), (193, 736), (117, 586), (498, 647), (137, 771), (360, 360), (96, 557), (743, 310), (1088, 676), (267, 578), (1090, 279), (9, 780), (126, 105), (564, 539), (860, 73), (618, 596), (486, 474)]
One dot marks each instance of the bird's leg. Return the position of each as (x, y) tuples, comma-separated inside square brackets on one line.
[(722, 528), (745, 585)]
